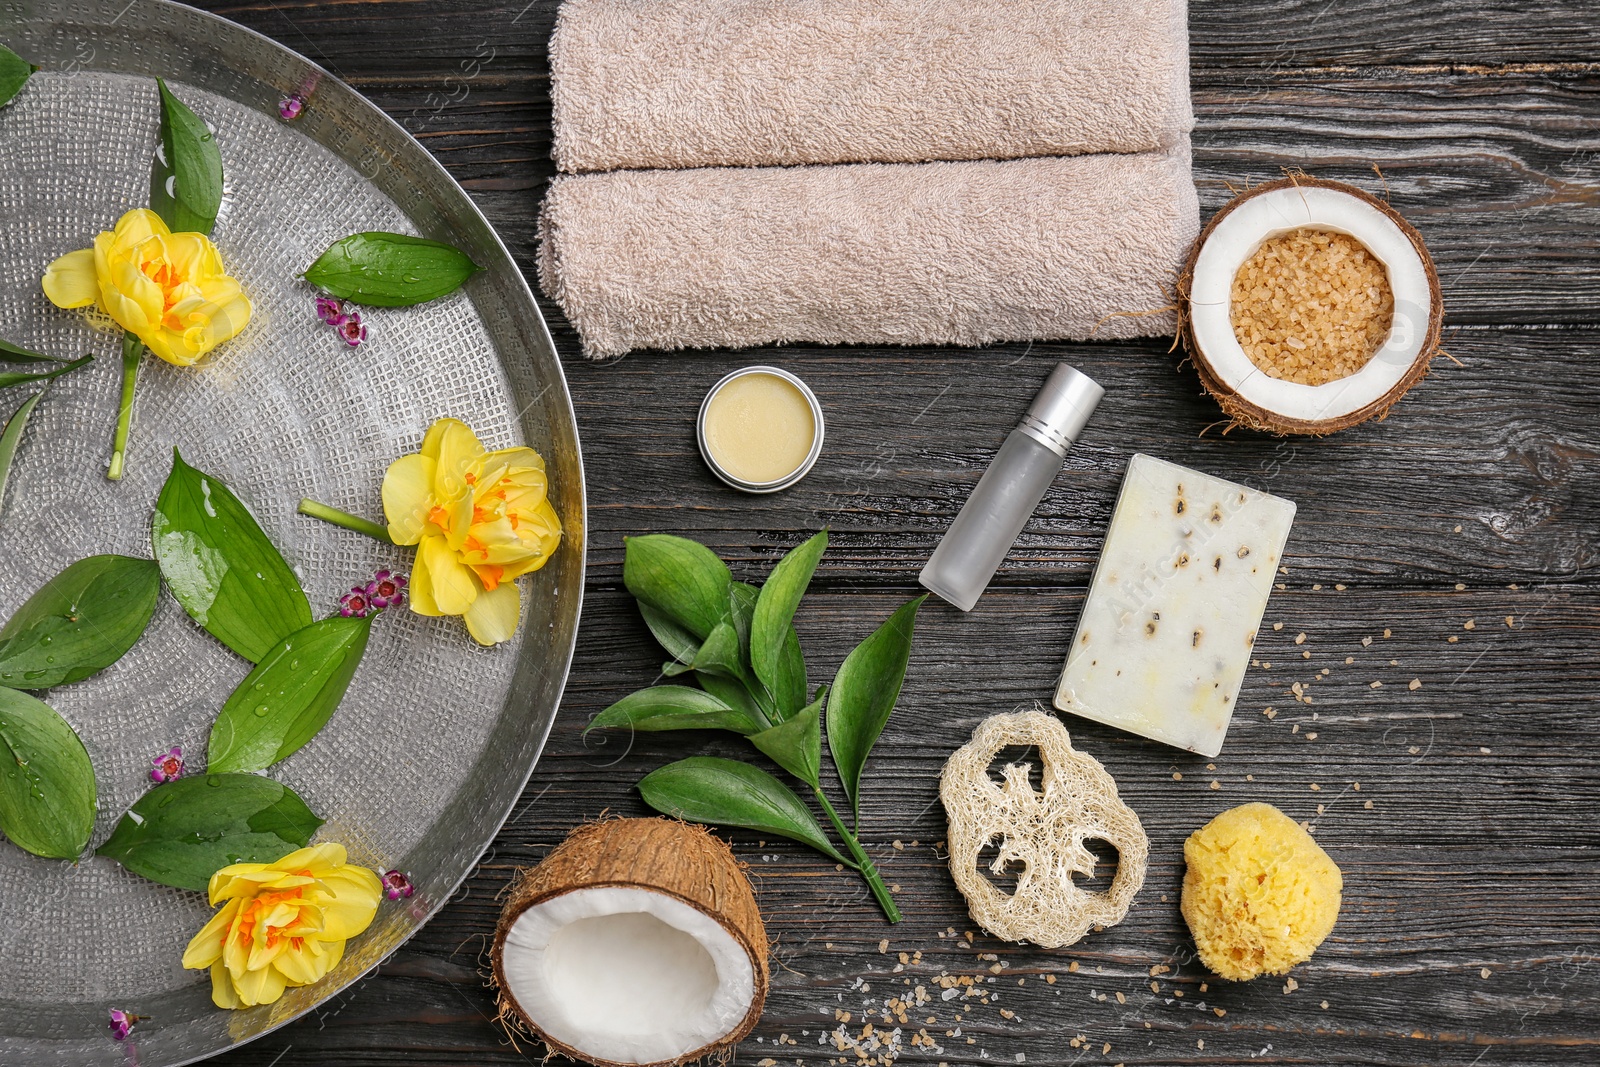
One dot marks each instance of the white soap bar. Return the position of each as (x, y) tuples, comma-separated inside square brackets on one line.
[(1166, 633)]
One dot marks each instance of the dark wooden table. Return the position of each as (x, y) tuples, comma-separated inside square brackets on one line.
[(1454, 545)]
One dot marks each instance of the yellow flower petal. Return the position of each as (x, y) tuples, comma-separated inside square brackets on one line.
[(421, 590), (318, 859), (356, 893), (407, 496), (260, 987), (493, 617), (453, 586), (70, 282), (309, 962), (139, 225), (222, 994), (205, 948)]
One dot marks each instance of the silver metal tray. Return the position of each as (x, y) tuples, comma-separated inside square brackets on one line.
[(436, 740)]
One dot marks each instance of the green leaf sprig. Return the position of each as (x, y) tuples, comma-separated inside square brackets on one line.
[(14, 74), (740, 645), (390, 269)]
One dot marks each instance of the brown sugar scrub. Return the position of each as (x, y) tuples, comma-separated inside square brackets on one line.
[(1309, 306), (1312, 306)]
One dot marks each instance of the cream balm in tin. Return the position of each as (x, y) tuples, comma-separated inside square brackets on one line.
[(760, 429)]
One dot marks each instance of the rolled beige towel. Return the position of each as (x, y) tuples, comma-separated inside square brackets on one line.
[(694, 83), (926, 253)]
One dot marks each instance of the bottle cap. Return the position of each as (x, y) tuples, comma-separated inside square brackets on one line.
[(1062, 408)]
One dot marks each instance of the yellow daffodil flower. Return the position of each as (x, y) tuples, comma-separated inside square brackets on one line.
[(282, 924), (167, 289), (479, 520)]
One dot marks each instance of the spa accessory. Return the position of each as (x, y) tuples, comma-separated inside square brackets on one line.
[(1043, 833), (1009, 491), (927, 253), (1165, 636), (694, 83), (760, 429), (1217, 323)]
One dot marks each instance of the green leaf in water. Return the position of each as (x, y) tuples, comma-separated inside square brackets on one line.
[(674, 707), (221, 567), (10, 378), (390, 269), (14, 74), (725, 792), (772, 644), (11, 437), (186, 174), (46, 780), (864, 694), (293, 693), (10, 353), (796, 743), (681, 579), (79, 622), (183, 832)]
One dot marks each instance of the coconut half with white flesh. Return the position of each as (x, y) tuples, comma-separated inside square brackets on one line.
[(1248, 394), (636, 941)]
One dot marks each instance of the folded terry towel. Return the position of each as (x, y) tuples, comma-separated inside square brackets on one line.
[(926, 253), (693, 83)]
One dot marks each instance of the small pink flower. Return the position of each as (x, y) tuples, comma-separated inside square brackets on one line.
[(122, 1023), (397, 884), (291, 107), (354, 604), (386, 590), (167, 766), (330, 310), (352, 329)]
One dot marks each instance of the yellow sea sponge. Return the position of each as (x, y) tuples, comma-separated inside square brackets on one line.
[(1259, 894)]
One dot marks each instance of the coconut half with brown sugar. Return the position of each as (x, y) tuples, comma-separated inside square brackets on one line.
[(1284, 268), (636, 941)]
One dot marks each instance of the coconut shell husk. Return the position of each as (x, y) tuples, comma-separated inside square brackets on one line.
[(661, 855), (1240, 411)]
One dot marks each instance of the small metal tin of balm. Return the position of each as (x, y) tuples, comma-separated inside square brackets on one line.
[(752, 428)]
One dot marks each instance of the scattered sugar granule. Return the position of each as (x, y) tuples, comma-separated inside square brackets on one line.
[(1452, 639), (1349, 660), (1277, 626), (1300, 638), (1375, 685), (1461, 587), (1073, 967), (1315, 788), (1510, 620), (1290, 986), (1324, 1005), (1121, 999), (1049, 979), (1269, 713), (1305, 655), (1356, 786), (1365, 641), (1387, 632), (1339, 587), (883, 946), (1177, 776), (1470, 624), (1220, 1012), (1485, 973), (1483, 750), (1249, 777), (1311, 737), (1215, 784)]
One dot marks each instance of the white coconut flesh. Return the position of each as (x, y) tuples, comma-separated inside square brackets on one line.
[(1270, 214), (627, 975)]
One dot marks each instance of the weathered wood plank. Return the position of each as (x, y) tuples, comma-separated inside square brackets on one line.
[(423, 39)]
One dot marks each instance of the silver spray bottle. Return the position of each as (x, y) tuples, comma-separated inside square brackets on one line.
[(1009, 491)]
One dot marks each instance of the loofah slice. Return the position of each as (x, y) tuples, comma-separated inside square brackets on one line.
[(1045, 832)]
